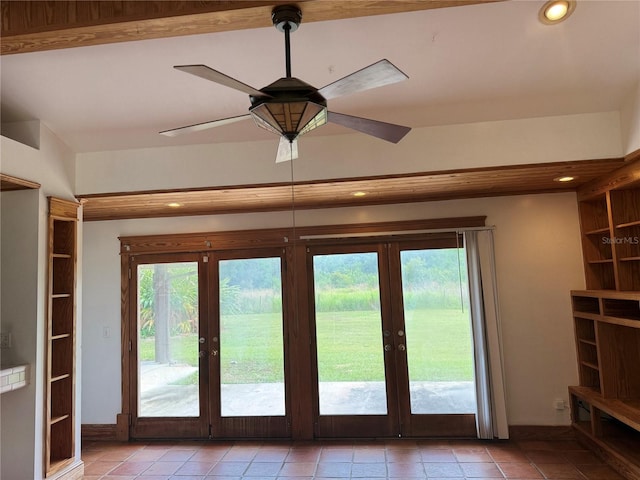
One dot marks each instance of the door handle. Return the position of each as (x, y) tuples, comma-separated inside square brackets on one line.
[(214, 353)]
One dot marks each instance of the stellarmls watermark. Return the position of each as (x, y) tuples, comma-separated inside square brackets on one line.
[(621, 240)]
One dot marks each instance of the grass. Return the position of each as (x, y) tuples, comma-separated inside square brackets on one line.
[(349, 347)]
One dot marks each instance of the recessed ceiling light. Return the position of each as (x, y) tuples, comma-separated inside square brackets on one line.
[(174, 205), (359, 194), (564, 179), (555, 11)]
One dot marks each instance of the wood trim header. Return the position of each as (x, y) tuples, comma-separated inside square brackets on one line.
[(61, 208), (627, 176), (332, 193), (282, 237), (10, 183), (32, 26)]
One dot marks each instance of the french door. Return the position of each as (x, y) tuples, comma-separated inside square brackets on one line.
[(383, 349), (248, 385), (208, 345), (392, 340)]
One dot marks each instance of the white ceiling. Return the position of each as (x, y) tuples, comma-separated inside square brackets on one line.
[(465, 64)]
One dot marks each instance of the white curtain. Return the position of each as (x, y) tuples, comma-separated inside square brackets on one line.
[(491, 417)]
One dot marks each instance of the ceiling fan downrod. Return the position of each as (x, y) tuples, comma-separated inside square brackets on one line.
[(286, 19)]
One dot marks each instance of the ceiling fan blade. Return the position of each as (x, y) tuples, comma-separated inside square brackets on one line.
[(203, 126), (207, 73), (386, 131), (376, 75), (287, 150)]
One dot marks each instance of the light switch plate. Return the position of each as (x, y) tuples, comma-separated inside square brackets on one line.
[(5, 340)]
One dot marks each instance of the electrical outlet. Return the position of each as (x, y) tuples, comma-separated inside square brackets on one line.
[(559, 404), (5, 340)]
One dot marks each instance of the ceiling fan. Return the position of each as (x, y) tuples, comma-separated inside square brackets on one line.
[(290, 107)]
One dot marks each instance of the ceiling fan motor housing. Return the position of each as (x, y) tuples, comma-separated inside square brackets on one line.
[(286, 14)]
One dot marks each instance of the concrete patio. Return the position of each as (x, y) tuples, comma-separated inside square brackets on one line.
[(161, 397)]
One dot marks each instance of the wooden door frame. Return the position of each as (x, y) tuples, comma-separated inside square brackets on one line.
[(295, 241), (258, 426), (159, 427), (420, 425), (333, 426)]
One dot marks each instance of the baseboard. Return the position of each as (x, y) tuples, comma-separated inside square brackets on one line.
[(99, 432), (541, 432), (109, 432)]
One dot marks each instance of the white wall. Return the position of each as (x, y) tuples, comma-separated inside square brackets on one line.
[(538, 257), (53, 166), (630, 120), (19, 223), (534, 140)]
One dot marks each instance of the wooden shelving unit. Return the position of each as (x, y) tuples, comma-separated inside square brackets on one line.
[(605, 408), (625, 216), (609, 211), (61, 334)]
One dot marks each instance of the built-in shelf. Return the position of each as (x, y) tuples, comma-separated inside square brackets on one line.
[(59, 442), (635, 223), (605, 408), (610, 224), (590, 365), (597, 231), (61, 336), (59, 377), (55, 420)]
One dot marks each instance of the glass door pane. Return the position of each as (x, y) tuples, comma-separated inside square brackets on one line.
[(438, 331), (168, 323), (350, 353), (251, 338)]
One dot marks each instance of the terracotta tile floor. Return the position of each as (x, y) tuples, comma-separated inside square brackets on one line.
[(362, 460)]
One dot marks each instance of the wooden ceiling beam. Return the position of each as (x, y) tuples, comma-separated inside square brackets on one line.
[(405, 188), (33, 26)]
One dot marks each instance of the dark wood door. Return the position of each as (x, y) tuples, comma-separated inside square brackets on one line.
[(393, 356), (168, 325), (432, 339), (247, 355)]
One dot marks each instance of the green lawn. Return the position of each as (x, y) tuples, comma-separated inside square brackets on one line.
[(349, 346)]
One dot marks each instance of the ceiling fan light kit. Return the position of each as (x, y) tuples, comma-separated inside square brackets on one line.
[(290, 107)]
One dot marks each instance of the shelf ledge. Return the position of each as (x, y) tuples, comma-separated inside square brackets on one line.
[(627, 411), (629, 225)]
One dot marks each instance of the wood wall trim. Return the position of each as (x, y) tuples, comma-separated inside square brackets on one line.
[(333, 193), (61, 208), (31, 26), (624, 177), (541, 432), (10, 183), (98, 432), (279, 237)]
